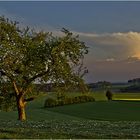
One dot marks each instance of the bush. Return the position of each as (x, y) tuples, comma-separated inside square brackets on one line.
[(109, 95), (1, 102), (76, 99), (69, 101), (50, 102), (7, 104), (83, 98), (86, 98), (61, 102), (91, 99)]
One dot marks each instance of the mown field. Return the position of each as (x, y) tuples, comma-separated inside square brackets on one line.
[(99, 119)]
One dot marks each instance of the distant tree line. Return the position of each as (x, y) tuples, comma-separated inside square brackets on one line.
[(134, 81)]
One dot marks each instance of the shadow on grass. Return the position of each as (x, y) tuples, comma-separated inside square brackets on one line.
[(7, 131)]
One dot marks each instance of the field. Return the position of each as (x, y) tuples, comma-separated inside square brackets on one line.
[(100, 96), (99, 119)]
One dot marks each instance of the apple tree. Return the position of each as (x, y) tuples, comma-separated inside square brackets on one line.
[(27, 55)]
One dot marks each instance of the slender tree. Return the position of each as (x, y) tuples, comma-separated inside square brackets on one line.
[(27, 55)]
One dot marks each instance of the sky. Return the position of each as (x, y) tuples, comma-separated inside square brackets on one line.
[(110, 29)]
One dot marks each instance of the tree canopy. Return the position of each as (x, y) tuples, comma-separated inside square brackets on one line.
[(27, 55)]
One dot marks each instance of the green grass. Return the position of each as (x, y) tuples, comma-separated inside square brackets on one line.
[(100, 119), (102, 110), (100, 96), (127, 96), (83, 129), (99, 110)]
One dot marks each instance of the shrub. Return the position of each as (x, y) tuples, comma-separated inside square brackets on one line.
[(76, 99), (7, 105), (61, 102), (50, 102), (86, 98), (91, 99), (1, 102), (83, 98), (109, 95), (69, 101)]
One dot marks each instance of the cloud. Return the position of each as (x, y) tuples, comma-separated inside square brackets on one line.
[(113, 45), (110, 59), (114, 71), (118, 46), (112, 56)]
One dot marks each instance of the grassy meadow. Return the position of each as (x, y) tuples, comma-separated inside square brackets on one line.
[(99, 119), (100, 96)]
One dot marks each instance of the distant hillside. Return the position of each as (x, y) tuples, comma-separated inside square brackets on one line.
[(132, 88), (134, 81)]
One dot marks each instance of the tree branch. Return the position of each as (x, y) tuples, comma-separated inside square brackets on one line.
[(29, 99), (2, 73), (15, 87), (37, 76)]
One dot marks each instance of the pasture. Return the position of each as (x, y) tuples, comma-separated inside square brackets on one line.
[(99, 119)]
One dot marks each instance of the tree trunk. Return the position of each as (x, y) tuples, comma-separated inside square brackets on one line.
[(21, 108)]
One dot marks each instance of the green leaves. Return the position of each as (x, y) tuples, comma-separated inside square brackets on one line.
[(27, 55)]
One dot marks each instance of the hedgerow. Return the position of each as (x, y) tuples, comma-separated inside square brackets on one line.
[(51, 102)]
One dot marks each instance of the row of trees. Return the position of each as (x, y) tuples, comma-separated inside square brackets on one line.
[(27, 56)]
